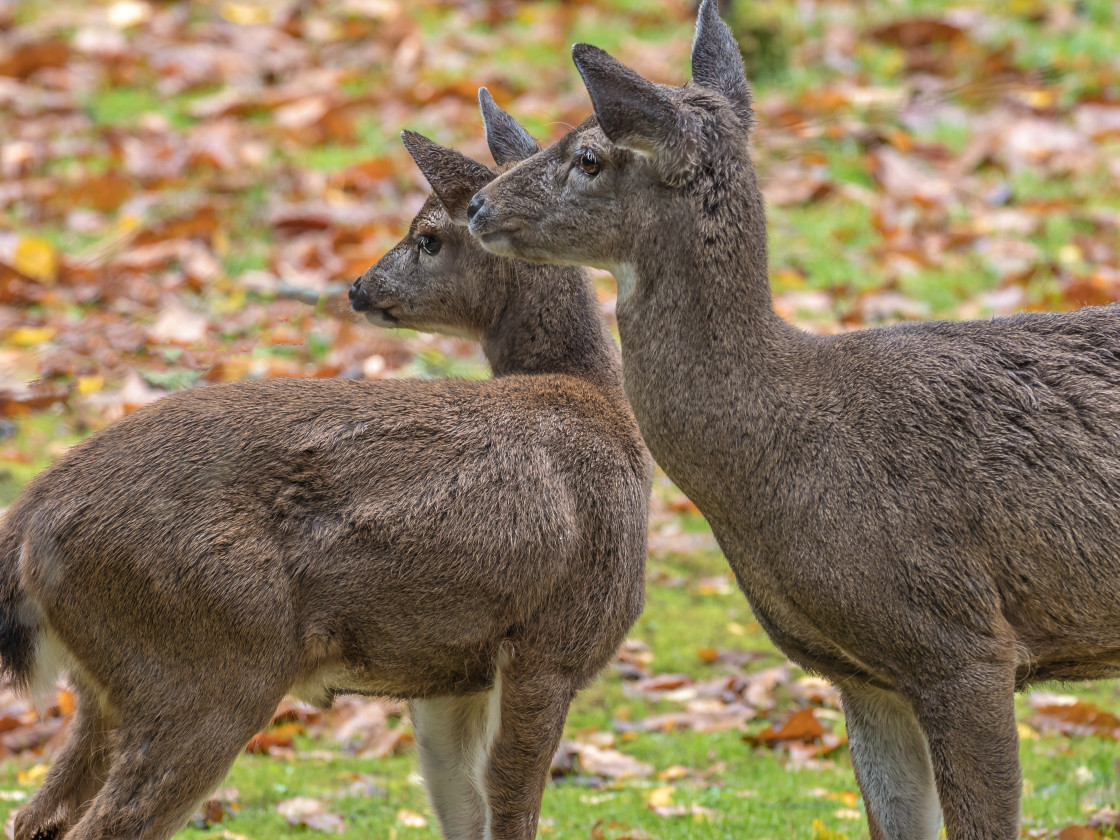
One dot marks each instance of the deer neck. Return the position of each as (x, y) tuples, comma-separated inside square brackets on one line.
[(552, 323), (709, 366)]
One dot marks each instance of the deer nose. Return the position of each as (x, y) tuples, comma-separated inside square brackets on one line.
[(359, 297), (477, 203)]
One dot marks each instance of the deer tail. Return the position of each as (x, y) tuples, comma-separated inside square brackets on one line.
[(17, 635)]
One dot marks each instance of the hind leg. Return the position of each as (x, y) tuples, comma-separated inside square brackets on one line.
[(892, 764), (453, 737), (533, 709), (170, 753), (76, 776)]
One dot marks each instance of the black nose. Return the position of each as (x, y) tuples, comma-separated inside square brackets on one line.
[(477, 203), (359, 297)]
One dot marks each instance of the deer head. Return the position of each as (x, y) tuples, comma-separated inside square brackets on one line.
[(653, 159), (438, 278)]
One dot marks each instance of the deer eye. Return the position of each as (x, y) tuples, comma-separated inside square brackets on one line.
[(588, 162), (428, 244)]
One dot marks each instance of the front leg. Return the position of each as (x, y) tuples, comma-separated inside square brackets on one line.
[(892, 764), (969, 722), (534, 706)]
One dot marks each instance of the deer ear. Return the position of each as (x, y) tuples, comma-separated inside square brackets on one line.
[(635, 113), (717, 63), (454, 177), (508, 141)]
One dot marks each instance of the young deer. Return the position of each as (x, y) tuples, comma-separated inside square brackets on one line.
[(475, 547), (928, 514)]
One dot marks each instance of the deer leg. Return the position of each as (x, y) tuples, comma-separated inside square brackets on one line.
[(453, 737), (169, 754), (75, 777), (892, 764), (533, 709), (969, 722)]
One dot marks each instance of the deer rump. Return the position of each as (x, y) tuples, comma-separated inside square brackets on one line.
[(333, 535)]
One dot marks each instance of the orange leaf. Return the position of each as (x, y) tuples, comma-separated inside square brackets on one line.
[(1078, 832), (803, 726), (262, 742), (25, 60)]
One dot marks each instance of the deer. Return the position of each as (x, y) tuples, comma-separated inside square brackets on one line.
[(476, 548), (925, 513)]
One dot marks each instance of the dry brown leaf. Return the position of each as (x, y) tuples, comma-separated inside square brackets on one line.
[(1105, 818), (593, 760), (1078, 832), (264, 742), (222, 804), (801, 726), (1079, 719), (26, 59), (305, 812), (917, 32)]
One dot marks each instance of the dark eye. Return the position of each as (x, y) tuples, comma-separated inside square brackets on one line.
[(428, 244), (587, 161)]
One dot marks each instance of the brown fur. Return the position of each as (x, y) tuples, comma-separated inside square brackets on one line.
[(475, 547), (925, 513)]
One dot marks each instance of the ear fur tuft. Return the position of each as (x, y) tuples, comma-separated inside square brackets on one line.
[(635, 113), (717, 63), (454, 177), (509, 142)]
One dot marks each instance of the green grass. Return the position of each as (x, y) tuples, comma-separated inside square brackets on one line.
[(33, 435)]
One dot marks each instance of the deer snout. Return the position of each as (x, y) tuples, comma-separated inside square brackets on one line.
[(359, 297), (477, 203), (477, 211)]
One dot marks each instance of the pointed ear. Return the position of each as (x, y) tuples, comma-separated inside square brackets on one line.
[(508, 141), (635, 113), (454, 177), (717, 63)]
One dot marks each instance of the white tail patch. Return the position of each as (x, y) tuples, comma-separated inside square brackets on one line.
[(50, 661), (50, 657)]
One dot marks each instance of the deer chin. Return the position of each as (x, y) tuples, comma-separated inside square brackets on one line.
[(382, 318), (496, 238), (499, 242)]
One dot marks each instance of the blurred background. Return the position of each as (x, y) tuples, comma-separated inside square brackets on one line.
[(187, 189)]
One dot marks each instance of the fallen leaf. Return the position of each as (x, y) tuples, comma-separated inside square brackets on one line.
[(1105, 818), (263, 742), (31, 336), (221, 805), (597, 761), (305, 812), (36, 258), (410, 819), (801, 726), (1078, 832), (1072, 718), (28, 58)]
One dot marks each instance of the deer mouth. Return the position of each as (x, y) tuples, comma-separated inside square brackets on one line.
[(382, 317), (484, 226), (501, 241)]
